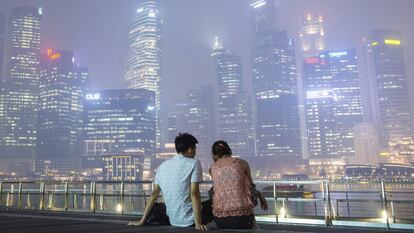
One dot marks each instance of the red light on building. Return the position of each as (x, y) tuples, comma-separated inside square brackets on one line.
[(312, 60)]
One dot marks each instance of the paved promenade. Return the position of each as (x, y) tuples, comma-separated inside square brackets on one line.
[(36, 222)]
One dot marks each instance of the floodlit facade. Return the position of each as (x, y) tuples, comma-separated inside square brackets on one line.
[(63, 84), (313, 35), (234, 103), (143, 69)]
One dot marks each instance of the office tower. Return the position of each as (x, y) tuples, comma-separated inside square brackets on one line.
[(332, 85), (18, 139), (177, 120), (312, 35), (124, 167), (366, 141), (119, 122), (63, 84), (388, 84), (143, 69), (2, 46), (234, 104), (201, 122), (274, 85)]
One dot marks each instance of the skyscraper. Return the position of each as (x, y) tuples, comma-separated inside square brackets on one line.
[(18, 139), (63, 84), (332, 79), (312, 35), (235, 105), (119, 122), (274, 85), (143, 69), (2, 46), (388, 84), (201, 121)]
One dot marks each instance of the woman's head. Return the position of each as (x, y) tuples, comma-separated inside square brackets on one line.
[(220, 149)]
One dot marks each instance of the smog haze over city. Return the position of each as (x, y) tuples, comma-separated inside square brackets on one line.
[(314, 87)]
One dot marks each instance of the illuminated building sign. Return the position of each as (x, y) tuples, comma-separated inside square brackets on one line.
[(312, 60), (52, 55), (320, 94), (392, 42), (338, 54), (374, 43), (95, 96), (258, 3)]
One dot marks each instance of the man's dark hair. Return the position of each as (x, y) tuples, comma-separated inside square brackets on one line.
[(184, 141), (221, 148)]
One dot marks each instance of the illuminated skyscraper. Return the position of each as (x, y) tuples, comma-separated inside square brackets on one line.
[(333, 103), (312, 35), (388, 84), (122, 120), (2, 46), (143, 69), (63, 84), (201, 121), (18, 139), (274, 85), (235, 105)]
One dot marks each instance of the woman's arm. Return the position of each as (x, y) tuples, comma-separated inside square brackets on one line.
[(246, 168)]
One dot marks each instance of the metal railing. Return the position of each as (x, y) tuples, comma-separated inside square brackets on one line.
[(325, 202)]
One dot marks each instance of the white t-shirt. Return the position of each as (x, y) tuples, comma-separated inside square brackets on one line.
[(174, 177)]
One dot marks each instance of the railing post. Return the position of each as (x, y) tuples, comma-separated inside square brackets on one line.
[(92, 195), (384, 204), (394, 220), (122, 198), (347, 204), (66, 196), (1, 193), (276, 204), (42, 196), (326, 198), (19, 197)]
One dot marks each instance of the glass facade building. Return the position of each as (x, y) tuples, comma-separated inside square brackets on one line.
[(388, 85), (274, 85), (143, 69), (201, 122), (21, 88), (234, 104), (332, 79), (63, 84), (119, 122)]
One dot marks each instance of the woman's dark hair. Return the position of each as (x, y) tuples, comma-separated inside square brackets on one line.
[(184, 141), (221, 148)]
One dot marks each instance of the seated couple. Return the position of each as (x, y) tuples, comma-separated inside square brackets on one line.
[(233, 194)]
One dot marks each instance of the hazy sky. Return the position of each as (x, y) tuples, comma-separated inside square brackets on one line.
[(96, 30)]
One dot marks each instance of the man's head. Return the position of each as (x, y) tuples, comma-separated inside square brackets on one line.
[(185, 144)]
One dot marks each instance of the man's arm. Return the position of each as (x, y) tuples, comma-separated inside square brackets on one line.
[(154, 195), (196, 202)]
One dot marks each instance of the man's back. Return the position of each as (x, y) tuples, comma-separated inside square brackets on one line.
[(174, 177)]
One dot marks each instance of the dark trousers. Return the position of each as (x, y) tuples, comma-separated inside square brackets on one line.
[(233, 222)]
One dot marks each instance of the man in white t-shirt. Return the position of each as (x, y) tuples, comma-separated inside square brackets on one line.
[(178, 179)]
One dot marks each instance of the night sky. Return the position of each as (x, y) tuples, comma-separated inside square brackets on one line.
[(96, 30)]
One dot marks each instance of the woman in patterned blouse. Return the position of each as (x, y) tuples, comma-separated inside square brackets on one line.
[(233, 190)]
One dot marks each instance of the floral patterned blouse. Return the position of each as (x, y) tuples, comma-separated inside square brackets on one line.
[(231, 188)]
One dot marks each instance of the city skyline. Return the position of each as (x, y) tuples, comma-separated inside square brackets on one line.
[(108, 33)]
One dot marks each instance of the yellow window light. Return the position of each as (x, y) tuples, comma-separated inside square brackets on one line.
[(374, 43), (392, 42)]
